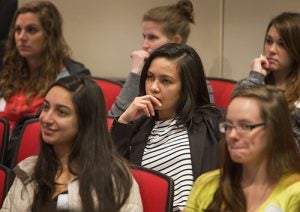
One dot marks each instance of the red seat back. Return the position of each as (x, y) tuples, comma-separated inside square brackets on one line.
[(222, 89), (29, 142), (4, 136), (109, 120), (156, 189), (110, 89)]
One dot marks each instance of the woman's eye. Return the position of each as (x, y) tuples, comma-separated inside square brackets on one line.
[(62, 112), (45, 107), (245, 126), (166, 81), (31, 30), (268, 41), (17, 30), (149, 77), (281, 44), (152, 37)]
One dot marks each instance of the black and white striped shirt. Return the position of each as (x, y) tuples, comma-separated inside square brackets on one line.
[(168, 151)]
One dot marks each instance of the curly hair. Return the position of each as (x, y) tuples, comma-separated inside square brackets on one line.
[(15, 75)]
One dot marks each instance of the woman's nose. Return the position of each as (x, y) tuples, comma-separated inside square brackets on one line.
[(232, 133), (155, 86), (23, 35), (273, 47), (46, 117), (145, 45)]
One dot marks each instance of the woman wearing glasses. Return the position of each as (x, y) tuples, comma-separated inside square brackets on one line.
[(261, 169)]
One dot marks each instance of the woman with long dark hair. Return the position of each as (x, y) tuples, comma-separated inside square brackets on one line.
[(77, 168), (171, 127)]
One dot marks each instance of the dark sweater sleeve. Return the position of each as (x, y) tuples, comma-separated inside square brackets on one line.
[(121, 135)]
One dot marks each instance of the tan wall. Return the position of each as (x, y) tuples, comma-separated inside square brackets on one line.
[(245, 23), (227, 34)]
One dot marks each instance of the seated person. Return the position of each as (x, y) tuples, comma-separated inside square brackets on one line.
[(280, 63), (171, 127), (261, 168), (161, 25), (36, 55), (78, 168)]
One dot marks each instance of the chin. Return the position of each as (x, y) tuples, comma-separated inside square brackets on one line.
[(237, 158)]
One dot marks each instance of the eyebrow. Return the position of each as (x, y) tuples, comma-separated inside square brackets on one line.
[(58, 105), (30, 25), (163, 75)]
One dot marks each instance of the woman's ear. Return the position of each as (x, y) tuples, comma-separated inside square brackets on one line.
[(177, 39)]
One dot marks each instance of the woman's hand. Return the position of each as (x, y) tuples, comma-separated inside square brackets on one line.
[(142, 105), (138, 59), (260, 64)]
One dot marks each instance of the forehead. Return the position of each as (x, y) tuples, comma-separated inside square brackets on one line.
[(27, 18), (244, 109), (152, 27), (273, 32), (164, 67), (60, 96)]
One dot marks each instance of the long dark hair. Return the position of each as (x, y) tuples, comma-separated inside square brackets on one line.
[(283, 156), (194, 91), (93, 159)]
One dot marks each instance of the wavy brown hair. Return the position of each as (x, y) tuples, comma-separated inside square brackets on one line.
[(288, 26), (15, 75)]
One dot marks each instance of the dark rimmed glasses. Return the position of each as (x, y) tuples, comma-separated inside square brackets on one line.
[(225, 127)]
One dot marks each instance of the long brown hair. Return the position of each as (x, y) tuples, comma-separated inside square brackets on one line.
[(15, 75), (283, 156), (288, 26)]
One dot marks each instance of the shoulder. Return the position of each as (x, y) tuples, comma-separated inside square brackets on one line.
[(74, 67), (25, 169), (210, 115), (286, 194), (208, 112), (290, 183), (208, 178), (203, 191), (207, 182)]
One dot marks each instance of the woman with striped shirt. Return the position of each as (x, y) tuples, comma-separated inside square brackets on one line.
[(171, 127)]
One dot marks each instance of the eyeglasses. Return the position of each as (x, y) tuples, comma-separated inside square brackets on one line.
[(225, 127)]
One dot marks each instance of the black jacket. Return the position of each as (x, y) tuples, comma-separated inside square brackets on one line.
[(203, 134)]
